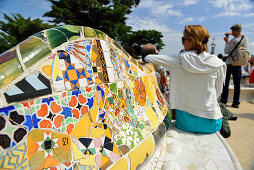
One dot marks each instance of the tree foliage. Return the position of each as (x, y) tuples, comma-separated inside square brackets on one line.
[(108, 16), (138, 38), (17, 29)]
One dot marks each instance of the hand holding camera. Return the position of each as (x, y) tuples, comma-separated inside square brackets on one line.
[(226, 39), (227, 34)]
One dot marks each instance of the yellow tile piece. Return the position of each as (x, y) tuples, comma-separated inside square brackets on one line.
[(19, 156), (149, 90), (104, 160), (93, 56), (93, 113), (47, 70), (152, 117), (116, 150), (138, 155), (121, 164), (95, 101), (21, 147), (77, 154), (56, 69), (82, 127), (108, 133), (133, 68), (98, 81), (89, 160), (97, 132), (72, 74), (9, 162)]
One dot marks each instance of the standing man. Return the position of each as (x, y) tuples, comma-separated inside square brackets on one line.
[(234, 70)]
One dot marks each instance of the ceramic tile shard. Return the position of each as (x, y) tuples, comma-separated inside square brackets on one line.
[(34, 85)]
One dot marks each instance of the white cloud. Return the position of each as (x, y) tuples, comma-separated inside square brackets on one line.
[(232, 8), (249, 26), (201, 19), (251, 44), (190, 2), (184, 20), (228, 14), (233, 14), (159, 8), (174, 13), (146, 24)]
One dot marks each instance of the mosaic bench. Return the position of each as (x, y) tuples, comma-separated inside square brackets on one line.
[(73, 98)]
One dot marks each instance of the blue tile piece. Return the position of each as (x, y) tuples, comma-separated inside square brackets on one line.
[(67, 112), (90, 102), (76, 93), (66, 76), (6, 110), (14, 91), (70, 67), (28, 123), (78, 73), (35, 82), (127, 64), (47, 100), (58, 78), (35, 121)]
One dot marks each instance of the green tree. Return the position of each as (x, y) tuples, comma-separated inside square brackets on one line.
[(137, 38), (108, 16), (17, 28)]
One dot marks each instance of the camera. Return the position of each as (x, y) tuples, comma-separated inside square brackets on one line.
[(227, 34)]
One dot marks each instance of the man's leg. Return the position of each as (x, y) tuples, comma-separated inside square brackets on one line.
[(237, 74), (224, 94)]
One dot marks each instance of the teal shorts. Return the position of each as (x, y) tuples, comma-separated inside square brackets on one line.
[(190, 123)]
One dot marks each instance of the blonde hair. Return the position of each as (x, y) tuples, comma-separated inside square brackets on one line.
[(199, 37)]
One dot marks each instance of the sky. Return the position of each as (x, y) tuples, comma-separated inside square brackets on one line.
[(169, 17)]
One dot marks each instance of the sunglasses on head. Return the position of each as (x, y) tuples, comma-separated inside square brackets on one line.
[(183, 39)]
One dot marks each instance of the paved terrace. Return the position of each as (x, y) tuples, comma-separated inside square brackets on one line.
[(242, 134)]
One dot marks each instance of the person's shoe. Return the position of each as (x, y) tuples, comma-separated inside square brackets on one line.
[(235, 105)]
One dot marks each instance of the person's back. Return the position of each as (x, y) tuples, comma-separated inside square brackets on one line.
[(196, 83)]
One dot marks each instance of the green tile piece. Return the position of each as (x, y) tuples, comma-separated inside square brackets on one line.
[(113, 88), (10, 66), (89, 32), (70, 31), (42, 36), (100, 34), (55, 38), (33, 50), (10, 129)]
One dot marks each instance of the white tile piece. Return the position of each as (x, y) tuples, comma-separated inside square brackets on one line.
[(104, 46), (107, 59), (58, 85)]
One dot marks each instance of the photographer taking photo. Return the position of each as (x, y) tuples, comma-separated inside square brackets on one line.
[(231, 48)]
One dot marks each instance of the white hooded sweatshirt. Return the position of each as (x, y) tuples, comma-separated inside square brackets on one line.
[(196, 82)]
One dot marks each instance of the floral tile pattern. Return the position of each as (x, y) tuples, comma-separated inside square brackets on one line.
[(98, 108)]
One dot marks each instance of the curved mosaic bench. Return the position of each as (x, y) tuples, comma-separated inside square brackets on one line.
[(72, 97)]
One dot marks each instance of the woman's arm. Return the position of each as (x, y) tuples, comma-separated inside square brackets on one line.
[(162, 60)]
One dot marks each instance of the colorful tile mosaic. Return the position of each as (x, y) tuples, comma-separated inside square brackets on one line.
[(81, 102)]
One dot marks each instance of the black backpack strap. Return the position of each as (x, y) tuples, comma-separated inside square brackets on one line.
[(235, 47)]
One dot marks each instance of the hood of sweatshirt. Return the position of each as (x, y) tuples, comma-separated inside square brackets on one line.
[(200, 63)]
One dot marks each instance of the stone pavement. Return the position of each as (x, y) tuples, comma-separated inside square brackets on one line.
[(241, 140)]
